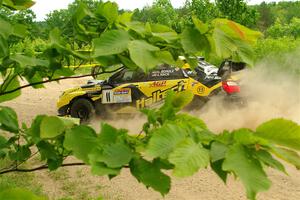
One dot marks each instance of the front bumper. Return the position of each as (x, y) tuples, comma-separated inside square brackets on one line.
[(63, 111)]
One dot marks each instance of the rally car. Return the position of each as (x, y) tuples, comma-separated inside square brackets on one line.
[(128, 90)]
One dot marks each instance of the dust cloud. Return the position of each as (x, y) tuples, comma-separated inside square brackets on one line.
[(132, 122), (269, 94)]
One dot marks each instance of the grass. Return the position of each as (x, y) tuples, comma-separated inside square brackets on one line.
[(19, 180), (59, 174)]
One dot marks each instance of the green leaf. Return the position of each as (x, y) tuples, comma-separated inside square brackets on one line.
[(19, 4), (18, 194), (34, 79), (12, 83), (287, 155), (34, 131), (8, 120), (194, 122), (138, 27), (3, 142), (247, 137), (162, 163), (281, 131), (164, 33), (236, 30), (108, 60), (193, 41), (150, 175), (217, 168), (114, 155), (233, 40), (224, 44), (48, 152), (240, 160), (2, 154), (6, 28), (169, 37), (218, 151), (117, 155), (51, 127), (81, 140), (81, 12), (188, 157), (196, 128), (202, 27), (164, 140), (165, 57), (4, 51), (101, 169), (143, 54), (182, 99), (109, 11), (70, 122), (267, 159), (125, 17), (128, 62), (21, 154), (59, 45), (109, 134), (167, 110), (111, 42), (54, 164), (26, 61), (19, 30)]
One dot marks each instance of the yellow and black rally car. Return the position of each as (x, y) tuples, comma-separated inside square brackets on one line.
[(128, 89)]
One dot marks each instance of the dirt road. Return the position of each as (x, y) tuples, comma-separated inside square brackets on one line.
[(204, 185)]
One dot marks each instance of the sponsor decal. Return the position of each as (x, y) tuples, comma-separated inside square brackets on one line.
[(200, 89), (159, 95), (122, 95), (121, 91), (163, 72), (158, 84)]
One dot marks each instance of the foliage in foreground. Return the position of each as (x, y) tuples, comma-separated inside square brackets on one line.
[(170, 141)]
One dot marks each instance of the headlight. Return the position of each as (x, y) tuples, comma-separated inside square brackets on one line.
[(231, 83)]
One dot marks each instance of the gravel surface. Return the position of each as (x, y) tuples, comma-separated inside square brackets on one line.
[(203, 185)]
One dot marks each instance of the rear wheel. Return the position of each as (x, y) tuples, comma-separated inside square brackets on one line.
[(82, 109)]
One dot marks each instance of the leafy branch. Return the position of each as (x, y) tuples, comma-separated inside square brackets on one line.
[(57, 79), (177, 142), (173, 141), (39, 168)]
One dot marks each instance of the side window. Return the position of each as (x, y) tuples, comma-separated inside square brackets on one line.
[(127, 76)]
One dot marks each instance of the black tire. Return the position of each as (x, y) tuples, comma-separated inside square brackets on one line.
[(82, 109)]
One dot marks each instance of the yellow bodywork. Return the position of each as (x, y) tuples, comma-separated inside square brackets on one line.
[(154, 91), (68, 95)]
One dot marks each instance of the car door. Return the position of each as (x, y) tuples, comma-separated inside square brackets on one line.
[(125, 87), (159, 82)]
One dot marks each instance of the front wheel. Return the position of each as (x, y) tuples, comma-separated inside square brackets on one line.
[(82, 109)]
